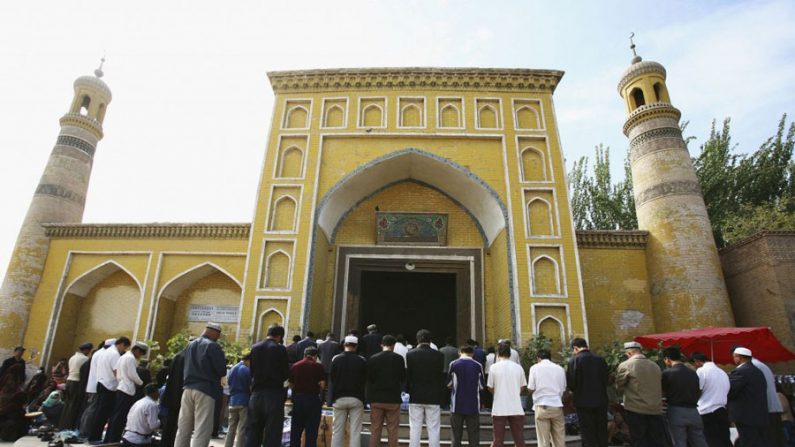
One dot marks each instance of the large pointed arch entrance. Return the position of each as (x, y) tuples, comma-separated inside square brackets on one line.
[(408, 287)]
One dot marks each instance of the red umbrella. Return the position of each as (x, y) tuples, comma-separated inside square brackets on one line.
[(717, 342)]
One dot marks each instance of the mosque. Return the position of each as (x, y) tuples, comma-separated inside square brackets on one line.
[(408, 197)]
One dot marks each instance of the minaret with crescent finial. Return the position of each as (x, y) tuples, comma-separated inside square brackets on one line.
[(685, 277), (59, 197)]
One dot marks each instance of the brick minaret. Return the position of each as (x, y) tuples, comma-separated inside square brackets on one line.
[(59, 198), (685, 278)]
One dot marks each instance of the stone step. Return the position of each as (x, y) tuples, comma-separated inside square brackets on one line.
[(485, 418), (486, 433), (571, 441)]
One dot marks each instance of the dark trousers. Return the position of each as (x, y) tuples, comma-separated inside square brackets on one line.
[(517, 429), (87, 418), (751, 436), (119, 419), (775, 430), (106, 400), (472, 421), (716, 428), (74, 399), (593, 426), (265, 418), (171, 425), (646, 430), (306, 418)]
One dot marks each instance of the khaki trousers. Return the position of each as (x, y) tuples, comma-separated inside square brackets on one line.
[(550, 426), (236, 436), (379, 412), (195, 417)]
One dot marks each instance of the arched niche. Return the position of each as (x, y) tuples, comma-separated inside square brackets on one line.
[(201, 285), (546, 276), (276, 271), (373, 116), (335, 116), (100, 304), (296, 118), (411, 116), (539, 218), (291, 164), (534, 168), (552, 328), (266, 319), (283, 214), (527, 118), (487, 117), (450, 116)]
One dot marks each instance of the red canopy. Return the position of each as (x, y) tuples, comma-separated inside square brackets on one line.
[(717, 342)]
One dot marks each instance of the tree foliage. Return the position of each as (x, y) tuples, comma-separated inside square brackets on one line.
[(744, 193), (598, 203)]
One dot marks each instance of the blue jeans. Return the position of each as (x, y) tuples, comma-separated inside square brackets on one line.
[(265, 418), (306, 417)]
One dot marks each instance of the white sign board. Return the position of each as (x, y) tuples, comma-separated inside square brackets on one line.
[(211, 312)]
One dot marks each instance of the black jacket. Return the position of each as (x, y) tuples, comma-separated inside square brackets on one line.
[(348, 376), (370, 344), (748, 396), (425, 375), (587, 379), (386, 372)]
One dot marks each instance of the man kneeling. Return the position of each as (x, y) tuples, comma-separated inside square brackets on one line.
[(142, 421)]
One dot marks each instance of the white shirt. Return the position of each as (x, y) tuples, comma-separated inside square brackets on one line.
[(127, 375), (490, 359), (547, 380), (714, 385), (401, 349), (507, 380), (142, 421), (773, 404), (75, 362), (91, 385), (105, 366), (434, 347)]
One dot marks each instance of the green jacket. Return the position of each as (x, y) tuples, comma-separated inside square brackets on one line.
[(640, 380)]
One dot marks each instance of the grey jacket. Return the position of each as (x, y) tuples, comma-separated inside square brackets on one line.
[(641, 381)]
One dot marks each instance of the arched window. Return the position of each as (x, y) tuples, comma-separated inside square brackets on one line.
[(101, 113), (637, 97), (86, 102), (660, 92)]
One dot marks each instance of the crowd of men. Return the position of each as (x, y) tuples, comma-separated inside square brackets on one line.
[(109, 399)]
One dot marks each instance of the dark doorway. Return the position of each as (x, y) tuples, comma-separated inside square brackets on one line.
[(405, 302)]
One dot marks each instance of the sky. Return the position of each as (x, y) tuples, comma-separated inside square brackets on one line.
[(186, 132)]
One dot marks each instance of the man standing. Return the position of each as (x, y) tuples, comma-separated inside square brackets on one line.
[(386, 372), (450, 353), (142, 420), (775, 429), (401, 348), (640, 379), (425, 383), (307, 381), (479, 353), (266, 406), (307, 341), (748, 400), (292, 350), (239, 380), (680, 388), (466, 379), (547, 382), (205, 364), (16, 359), (587, 379), (74, 395), (326, 351), (127, 375), (106, 386), (370, 343), (348, 377), (714, 385), (92, 401), (172, 398), (506, 381)]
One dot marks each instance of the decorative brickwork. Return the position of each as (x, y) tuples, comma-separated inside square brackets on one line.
[(612, 239), (77, 143), (106, 231)]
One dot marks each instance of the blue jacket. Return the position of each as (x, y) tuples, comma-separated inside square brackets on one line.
[(239, 381)]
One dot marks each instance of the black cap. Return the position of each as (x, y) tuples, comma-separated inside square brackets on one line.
[(19, 349)]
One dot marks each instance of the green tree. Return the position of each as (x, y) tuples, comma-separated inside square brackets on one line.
[(716, 167), (597, 202)]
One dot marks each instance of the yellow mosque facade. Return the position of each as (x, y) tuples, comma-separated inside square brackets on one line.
[(411, 198)]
